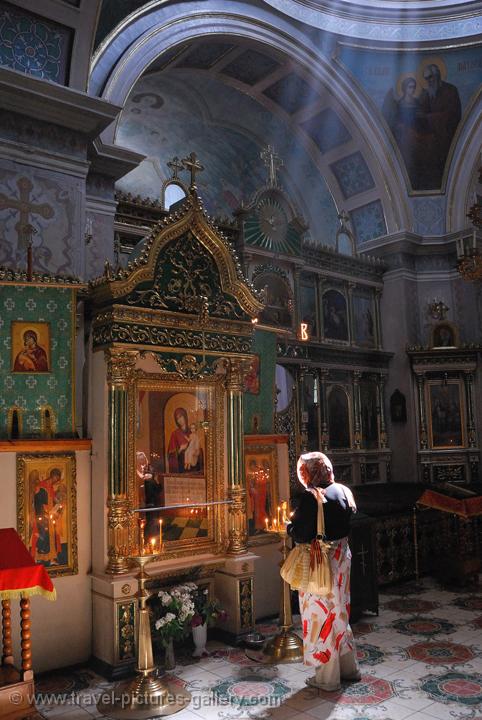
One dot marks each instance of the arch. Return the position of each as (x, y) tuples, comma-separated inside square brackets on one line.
[(151, 31), (464, 168), (339, 418)]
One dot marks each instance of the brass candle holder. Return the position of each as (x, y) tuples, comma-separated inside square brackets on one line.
[(286, 646), (148, 695)]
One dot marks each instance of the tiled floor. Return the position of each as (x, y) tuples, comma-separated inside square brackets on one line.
[(421, 658)]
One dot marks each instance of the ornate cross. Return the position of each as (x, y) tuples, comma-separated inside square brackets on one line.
[(273, 162), (192, 164), (175, 165), (25, 208)]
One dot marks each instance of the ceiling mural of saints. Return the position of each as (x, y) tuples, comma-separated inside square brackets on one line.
[(422, 97)]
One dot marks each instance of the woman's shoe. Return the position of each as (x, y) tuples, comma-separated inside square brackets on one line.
[(311, 682)]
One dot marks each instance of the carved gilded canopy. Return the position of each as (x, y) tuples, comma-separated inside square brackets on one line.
[(183, 289)]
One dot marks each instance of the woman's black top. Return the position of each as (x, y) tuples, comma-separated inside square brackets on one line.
[(336, 510)]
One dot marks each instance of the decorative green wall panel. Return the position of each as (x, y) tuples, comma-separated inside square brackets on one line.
[(45, 377), (259, 409)]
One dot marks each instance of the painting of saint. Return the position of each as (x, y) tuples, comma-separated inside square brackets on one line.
[(261, 471), (184, 449), (423, 117), (30, 347), (335, 322), (251, 379), (47, 523), (364, 326), (308, 306), (338, 419), (443, 336), (446, 414), (277, 298)]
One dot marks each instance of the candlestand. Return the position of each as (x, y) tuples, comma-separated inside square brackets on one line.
[(147, 695), (286, 646)]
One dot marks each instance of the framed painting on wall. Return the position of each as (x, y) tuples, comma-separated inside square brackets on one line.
[(178, 439), (47, 510), (445, 413), (261, 471), (363, 320), (30, 343)]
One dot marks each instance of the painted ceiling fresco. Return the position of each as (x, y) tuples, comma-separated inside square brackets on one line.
[(174, 112), (422, 97)]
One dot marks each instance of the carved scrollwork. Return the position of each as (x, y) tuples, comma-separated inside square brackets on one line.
[(238, 536), (136, 334)]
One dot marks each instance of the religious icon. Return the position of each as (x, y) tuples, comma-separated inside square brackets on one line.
[(251, 379), (30, 342), (261, 485), (277, 298), (423, 113), (46, 501), (363, 321), (445, 413), (444, 335), (338, 418), (335, 325), (172, 459)]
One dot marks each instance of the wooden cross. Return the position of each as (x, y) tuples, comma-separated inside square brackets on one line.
[(25, 208), (273, 162), (363, 552), (175, 165), (192, 164)]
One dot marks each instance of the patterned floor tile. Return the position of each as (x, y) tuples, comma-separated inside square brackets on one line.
[(427, 626), (419, 660), (453, 686)]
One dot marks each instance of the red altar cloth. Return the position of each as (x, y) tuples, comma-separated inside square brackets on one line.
[(19, 575), (466, 507)]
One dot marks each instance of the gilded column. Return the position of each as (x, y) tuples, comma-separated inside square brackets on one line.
[(120, 370), (356, 409), (381, 410), (469, 393), (421, 410), (238, 536)]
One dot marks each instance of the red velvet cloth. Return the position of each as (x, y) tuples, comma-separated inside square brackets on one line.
[(466, 508), (19, 575)]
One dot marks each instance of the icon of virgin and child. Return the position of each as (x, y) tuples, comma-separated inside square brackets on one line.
[(184, 451)]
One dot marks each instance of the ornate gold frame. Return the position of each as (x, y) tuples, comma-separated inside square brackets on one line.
[(215, 471), (23, 462), (251, 447)]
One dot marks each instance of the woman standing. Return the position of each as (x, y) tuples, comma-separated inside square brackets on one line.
[(328, 642)]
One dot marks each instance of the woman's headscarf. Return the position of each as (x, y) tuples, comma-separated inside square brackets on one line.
[(315, 471)]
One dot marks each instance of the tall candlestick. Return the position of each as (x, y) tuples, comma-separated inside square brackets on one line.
[(141, 543)]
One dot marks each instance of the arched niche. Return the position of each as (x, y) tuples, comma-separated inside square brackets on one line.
[(339, 418)]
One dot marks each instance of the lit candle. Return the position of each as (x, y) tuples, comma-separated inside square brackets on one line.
[(153, 545), (278, 516), (160, 534), (266, 523)]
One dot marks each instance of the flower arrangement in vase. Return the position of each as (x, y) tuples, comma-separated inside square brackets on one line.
[(173, 612), (206, 612)]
